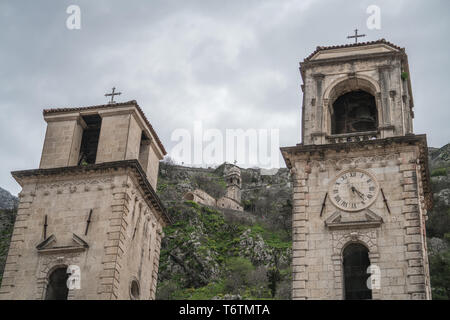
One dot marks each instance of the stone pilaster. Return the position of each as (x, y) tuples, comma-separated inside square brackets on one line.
[(157, 247), (115, 244), (10, 274), (415, 282), (299, 233)]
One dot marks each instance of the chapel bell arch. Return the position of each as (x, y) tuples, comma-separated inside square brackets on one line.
[(349, 99)]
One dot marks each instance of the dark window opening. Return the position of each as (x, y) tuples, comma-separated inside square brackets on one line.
[(57, 285), (355, 111), (134, 290), (356, 262), (144, 149), (89, 141)]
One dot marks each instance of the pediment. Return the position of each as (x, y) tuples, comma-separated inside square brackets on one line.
[(350, 220), (49, 245), (353, 51)]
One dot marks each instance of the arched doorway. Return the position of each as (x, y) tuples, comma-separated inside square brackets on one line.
[(57, 285), (189, 196), (354, 111), (356, 261)]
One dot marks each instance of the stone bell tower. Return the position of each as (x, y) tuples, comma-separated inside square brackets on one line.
[(234, 183), (89, 223), (360, 176)]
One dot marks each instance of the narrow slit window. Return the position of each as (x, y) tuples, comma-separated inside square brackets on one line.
[(89, 141), (144, 149)]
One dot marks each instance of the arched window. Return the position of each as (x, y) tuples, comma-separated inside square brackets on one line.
[(57, 285), (354, 111), (356, 262)]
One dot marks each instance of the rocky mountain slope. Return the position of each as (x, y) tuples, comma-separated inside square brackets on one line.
[(7, 200), (438, 224), (214, 254), (8, 205)]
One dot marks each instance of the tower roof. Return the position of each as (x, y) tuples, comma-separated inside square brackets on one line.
[(353, 45), (234, 170)]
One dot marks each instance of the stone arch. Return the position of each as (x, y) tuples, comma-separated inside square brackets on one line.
[(358, 241), (353, 237), (189, 196), (340, 242), (344, 85), (347, 84), (49, 263)]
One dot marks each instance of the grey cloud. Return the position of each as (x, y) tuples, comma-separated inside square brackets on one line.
[(232, 64)]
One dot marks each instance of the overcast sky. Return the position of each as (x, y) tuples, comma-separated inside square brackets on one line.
[(230, 64)]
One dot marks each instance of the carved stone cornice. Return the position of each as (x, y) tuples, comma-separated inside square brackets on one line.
[(290, 154), (100, 168)]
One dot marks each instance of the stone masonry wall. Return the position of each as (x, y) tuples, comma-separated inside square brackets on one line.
[(62, 144), (397, 246), (122, 237)]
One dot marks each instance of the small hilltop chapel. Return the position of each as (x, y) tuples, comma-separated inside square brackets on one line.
[(232, 198), (89, 223), (361, 186)]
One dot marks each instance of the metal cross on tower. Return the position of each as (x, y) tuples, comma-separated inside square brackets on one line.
[(356, 36), (112, 94)]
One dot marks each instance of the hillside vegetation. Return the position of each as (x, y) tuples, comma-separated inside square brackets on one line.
[(212, 254), (438, 224)]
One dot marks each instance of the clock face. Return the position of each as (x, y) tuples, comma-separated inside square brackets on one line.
[(353, 190)]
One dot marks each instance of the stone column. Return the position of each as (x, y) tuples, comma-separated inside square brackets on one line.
[(318, 125), (386, 126)]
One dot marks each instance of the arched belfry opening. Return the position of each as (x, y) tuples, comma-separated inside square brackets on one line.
[(356, 261), (353, 112), (57, 285)]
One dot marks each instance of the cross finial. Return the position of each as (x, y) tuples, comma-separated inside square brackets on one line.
[(112, 94), (356, 36)]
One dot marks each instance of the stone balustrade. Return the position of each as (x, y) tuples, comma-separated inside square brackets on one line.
[(352, 137)]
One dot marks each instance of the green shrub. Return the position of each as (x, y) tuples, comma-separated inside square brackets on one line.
[(440, 275), (439, 172), (238, 270), (405, 75)]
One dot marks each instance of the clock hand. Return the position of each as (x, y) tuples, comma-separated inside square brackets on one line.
[(357, 192)]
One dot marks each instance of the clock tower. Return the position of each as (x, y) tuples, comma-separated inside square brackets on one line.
[(361, 186)]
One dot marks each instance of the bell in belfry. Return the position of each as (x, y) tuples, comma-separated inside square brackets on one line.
[(363, 113)]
